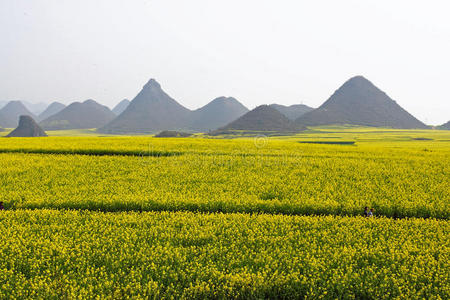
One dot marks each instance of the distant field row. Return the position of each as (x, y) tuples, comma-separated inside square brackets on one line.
[(285, 177), (65, 254), (386, 144)]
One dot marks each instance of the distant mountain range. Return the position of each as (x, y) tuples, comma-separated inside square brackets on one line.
[(215, 114), (85, 115), (356, 102), (152, 110), (445, 126), (294, 111), (359, 102), (9, 114), (121, 106), (51, 110), (35, 108), (262, 118)]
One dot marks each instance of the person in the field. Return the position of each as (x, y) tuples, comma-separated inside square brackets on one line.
[(1, 205), (370, 213), (366, 212)]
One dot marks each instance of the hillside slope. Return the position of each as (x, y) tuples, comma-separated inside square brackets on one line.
[(121, 106), (263, 118), (88, 114), (27, 128), (359, 102), (445, 126), (10, 113), (52, 109), (294, 111), (217, 113), (152, 110)]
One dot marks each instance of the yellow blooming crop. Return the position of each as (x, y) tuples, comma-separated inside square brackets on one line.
[(82, 254), (226, 176), (226, 218)]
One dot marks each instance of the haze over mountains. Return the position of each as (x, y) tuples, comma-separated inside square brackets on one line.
[(152, 110), (9, 114), (356, 102), (294, 111), (84, 115), (35, 108), (217, 113), (263, 118), (52, 109), (121, 106), (359, 102), (445, 126)]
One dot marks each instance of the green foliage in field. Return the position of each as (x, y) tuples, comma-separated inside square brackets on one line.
[(68, 254)]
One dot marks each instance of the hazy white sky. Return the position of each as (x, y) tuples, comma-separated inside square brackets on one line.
[(255, 50)]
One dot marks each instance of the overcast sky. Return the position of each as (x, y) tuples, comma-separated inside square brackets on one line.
[(257, 51)]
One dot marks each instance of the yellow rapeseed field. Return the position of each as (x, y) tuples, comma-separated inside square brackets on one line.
[(82, 254), (272, 217), (403, 179)]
